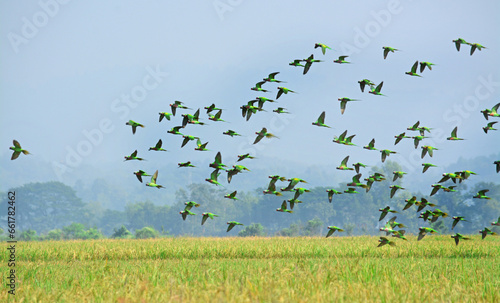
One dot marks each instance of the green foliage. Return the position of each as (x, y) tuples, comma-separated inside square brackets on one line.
[(253, 230), (77, 231), (293, 231), (122, 233), (146, 233), (28, 235), (55, 234), (349, 228), (313, 227)]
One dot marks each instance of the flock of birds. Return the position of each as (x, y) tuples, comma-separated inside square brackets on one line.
[(254, 106)]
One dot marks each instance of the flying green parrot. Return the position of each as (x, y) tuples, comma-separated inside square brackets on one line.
[(211, 108), (465, 174), (428, 149), (457, 219), (497, 165), (423, 231), (341, 138), (139, 174), (17, 150), (206, 216), (497, 223), (321, 121), (232, 224), (158, 146), (482, 194), (232, 195), (175, 131), (283, 208), (394, 188), (271, 189), (258, 87), (417, 139), (385, 153), (270, 78), (263, 133), (384, 241), (424, 64), (293, 182), (376, 90), (458, 42), (489, 127), (133, 156), (486, 231), (426, 166), (213, 177), (363, 83), (413, 71), (185, 164), (177, 104), (356, 183), (388, 49), (280, 110), (343, 164), (332, 229), (493, 112), (245, 156), (398, 174), (134, 125), (400, 234), (385, 211), (400, 137), (200, 146), (188, 138), (299, 191), (422, 204), (309, 61), (343, 103), (153, 181), (292, 202), (410, 202), (371, 145), (190, 205), (185, 213), (323, 47), (296, 62), (459, 237), (216, 117), (164, 115), (332, 192), (231, 133), (357, 166), (351, 190), (474, 46), (454, 135), (217, 164), (283, 90), (341, 60)]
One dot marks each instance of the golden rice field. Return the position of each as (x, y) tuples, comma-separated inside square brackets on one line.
[(305, 269)]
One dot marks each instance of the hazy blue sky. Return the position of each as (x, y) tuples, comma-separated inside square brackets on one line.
[(67, 70)]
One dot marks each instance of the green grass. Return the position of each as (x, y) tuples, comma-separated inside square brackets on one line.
[(257, 270)]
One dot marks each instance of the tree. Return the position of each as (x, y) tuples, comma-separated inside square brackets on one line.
[(313, 227), (122, 233), (146, 233), (45, 206), (28, 235), (253, 230)]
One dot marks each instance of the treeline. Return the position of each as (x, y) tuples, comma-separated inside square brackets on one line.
[(50, 210)]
